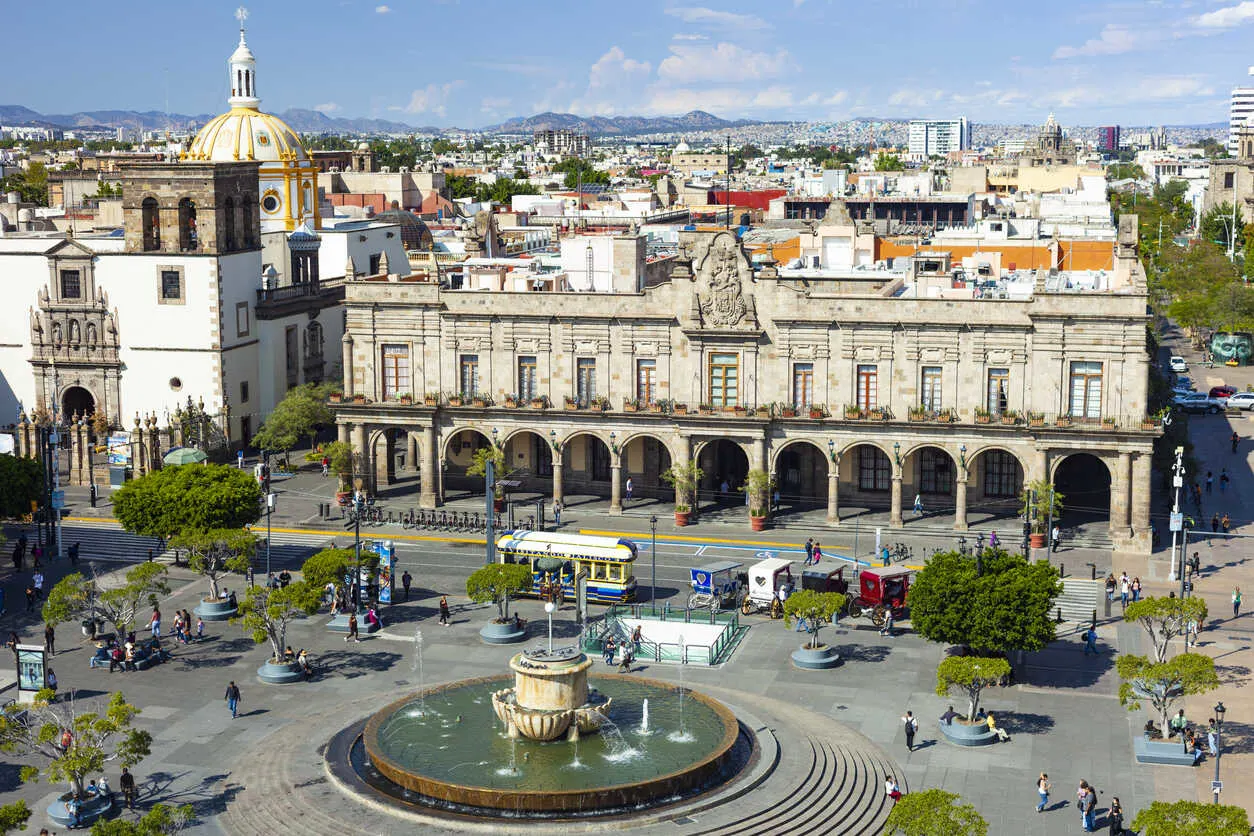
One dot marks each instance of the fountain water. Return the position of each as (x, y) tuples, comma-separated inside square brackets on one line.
[(422, 700), (682, 735), (644, 717), (619, 749)]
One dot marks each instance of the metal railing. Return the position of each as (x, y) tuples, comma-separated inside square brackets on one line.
[(299, 291), (595, 633)]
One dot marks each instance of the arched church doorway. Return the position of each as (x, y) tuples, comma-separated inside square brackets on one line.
[(77, 401)]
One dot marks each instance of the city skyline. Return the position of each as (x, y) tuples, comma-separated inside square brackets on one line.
[(1118, 63)]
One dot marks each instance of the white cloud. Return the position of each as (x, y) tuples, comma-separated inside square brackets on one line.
[(382, 10), (723, 62), (915, 98), (329, 107), (685, 36), (493, 103), (718, 100), (614, 67), (831, 100), (702, 16), (433, 98), (1113, 40), (1229, 17)]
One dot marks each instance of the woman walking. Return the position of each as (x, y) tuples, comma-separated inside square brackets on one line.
[(1043, 786), (1236, 601), (1114, 818)]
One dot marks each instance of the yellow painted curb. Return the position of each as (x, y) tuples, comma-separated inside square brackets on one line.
[(689, 539)]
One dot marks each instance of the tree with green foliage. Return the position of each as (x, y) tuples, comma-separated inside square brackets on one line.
[(14, 816), (1218, 227), (31, 184), (496, 583), (684, 478), (1191, 818), (758, 485), (217, 552), (460, 186), (1007, 607), (191, 496), (1164, 619), (579, 170), (160, 820), (339, 460), (503, 190), (1162, 684), (95, 737), (1125, 171), (302, 412), (113, 598), (816, 608), (934, 813), (1034, 500), (21, 483), (970, 675), (479, 466), (443, 146), (332, 567), (888, 162), (265, 613)]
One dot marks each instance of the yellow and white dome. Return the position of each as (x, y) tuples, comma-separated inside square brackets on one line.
[(288, 181)]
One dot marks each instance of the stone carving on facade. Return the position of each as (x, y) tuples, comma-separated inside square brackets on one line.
[(722, 272)]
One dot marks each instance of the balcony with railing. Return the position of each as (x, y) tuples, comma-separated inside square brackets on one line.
[(274, 302)]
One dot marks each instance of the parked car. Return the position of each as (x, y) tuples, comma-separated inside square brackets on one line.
[(1177, 364), (1223, 393), (1197, 402), (1242, 400), (1182, 389)]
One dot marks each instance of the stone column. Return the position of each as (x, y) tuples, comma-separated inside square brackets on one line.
[(1139, 500), (344, 430), (960, 500), (759, 463), (347, 348), (833, 498), (616, 487), (411, 452), (682, 455), (1120, 488), (428, 479), (557, 476), (362, 470), (894, 513)]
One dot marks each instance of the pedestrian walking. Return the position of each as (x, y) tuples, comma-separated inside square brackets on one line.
[(326, 465), (1055, 537), (1090, 641), (630, 486), (1081, 801), (127, 783), (818, 553), (38, 583), (637, 636), (154, 623), (36, 553), (1210, 481), (1042, 789), (1236, 602), (1225, 523), (912, 725), (50, 640), (889, 623), (557, 513), (1214, 523), (809, 550), (607, 651), (30, 598), (200, 629), (239, 459), (51, 679), (73, 554), (1114, 817), (406, 580), (626, 659), (352, 628), (1125, 590), (444, 613), (1136, 589), (1212, 738), (1236, 441), (232, 698), (918, 504), (1223, 480)]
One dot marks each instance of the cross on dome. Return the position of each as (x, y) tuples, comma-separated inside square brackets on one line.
[(241, 14), (243, 69)]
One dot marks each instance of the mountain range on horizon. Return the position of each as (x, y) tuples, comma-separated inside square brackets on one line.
[(314, 121)]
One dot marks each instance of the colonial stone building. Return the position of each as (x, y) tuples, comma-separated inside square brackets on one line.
[(848, 392)]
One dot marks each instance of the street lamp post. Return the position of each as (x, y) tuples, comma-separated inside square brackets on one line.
[(1219, 744), (549, 607), (653, 567), (1176, 523)]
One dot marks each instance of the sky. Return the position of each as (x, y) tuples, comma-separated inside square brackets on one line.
[(471, 63)]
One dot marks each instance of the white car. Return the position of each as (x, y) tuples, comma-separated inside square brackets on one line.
[(1242, 400), (1177, 365)]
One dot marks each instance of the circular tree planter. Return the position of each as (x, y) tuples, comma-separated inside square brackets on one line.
[(90, 809), (961, 734), (280, 673), (339, 624), (507, 633), (219, 610), (816, 658)]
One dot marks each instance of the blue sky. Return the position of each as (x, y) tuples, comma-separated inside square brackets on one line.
[(451, 62)]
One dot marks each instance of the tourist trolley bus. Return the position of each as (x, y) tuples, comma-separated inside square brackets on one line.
[(556, 558)]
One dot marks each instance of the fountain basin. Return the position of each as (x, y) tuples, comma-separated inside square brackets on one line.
[(445, 751)]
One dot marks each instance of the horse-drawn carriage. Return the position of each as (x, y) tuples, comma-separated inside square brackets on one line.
[(880, 589), (716, 586), (768, 582)]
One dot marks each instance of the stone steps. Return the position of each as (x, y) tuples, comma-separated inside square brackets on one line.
[(1080, 596)]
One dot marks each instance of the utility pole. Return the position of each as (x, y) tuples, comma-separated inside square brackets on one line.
[(54, 444), (727, 217), (489, 480), (1177, 519)]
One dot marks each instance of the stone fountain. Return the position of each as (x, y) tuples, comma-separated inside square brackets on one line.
[(550, 696)]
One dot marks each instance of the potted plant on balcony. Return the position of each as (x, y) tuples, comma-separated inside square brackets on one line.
[(336, 397), (705, 409), (919, 413), (511, 401), (359, 399), (684, 478), (1034, 504), (765, 410), (1010, 417), (946, 416), (852, 412), (480, 401), (817, 411), (539, 402), (680, 409), (758, 486), (431, 399), (659, 406), (454, 399), (631, 405), (881, 413), (1063, 420), (1108, 422), (601, 403), (982, 415), (788, 411), (406, 399), (1036, 419)]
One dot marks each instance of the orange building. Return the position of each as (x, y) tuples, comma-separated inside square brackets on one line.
[(1015, 255)]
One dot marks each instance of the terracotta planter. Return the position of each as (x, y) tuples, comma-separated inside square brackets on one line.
[(407, 401), (572, 407), (944, 419), (1036, 541), (1149, 425), (682, 517), (1036, 422), (757, 523), (479, 403), (816, 414), (336, 397), (1006, 419), (429, 401), (681, 409), (1108, 427), (359, 399), (655, 408), (629, 407), (790, 413), (1063, 422), (982, 419), (853, 416), (537, 404), (510, 403), (454, 401)]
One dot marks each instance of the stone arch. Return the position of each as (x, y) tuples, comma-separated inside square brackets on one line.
[(1086, 481), (929, 475), (588, 465), (723, 461), (77, 400), (887, 451), (865, 473), (528, 457), (645, 456), (457, 450), (995, 478), (150, 221), (800, 481), (188, 236), (391, 454)]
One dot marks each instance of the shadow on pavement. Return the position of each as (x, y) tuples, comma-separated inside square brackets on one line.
[(205, 798), (354, 663), (863, 652), (223, 653), (1017, 722), (1065, 665)]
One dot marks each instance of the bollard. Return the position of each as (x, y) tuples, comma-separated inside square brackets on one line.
[(1059, 616), (1061, 571), (1107, 605), (1094, 619)]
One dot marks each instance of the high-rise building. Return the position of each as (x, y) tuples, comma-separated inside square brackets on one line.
[(1108, 138), (937, 137), (562, 143), (1239, 110)]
